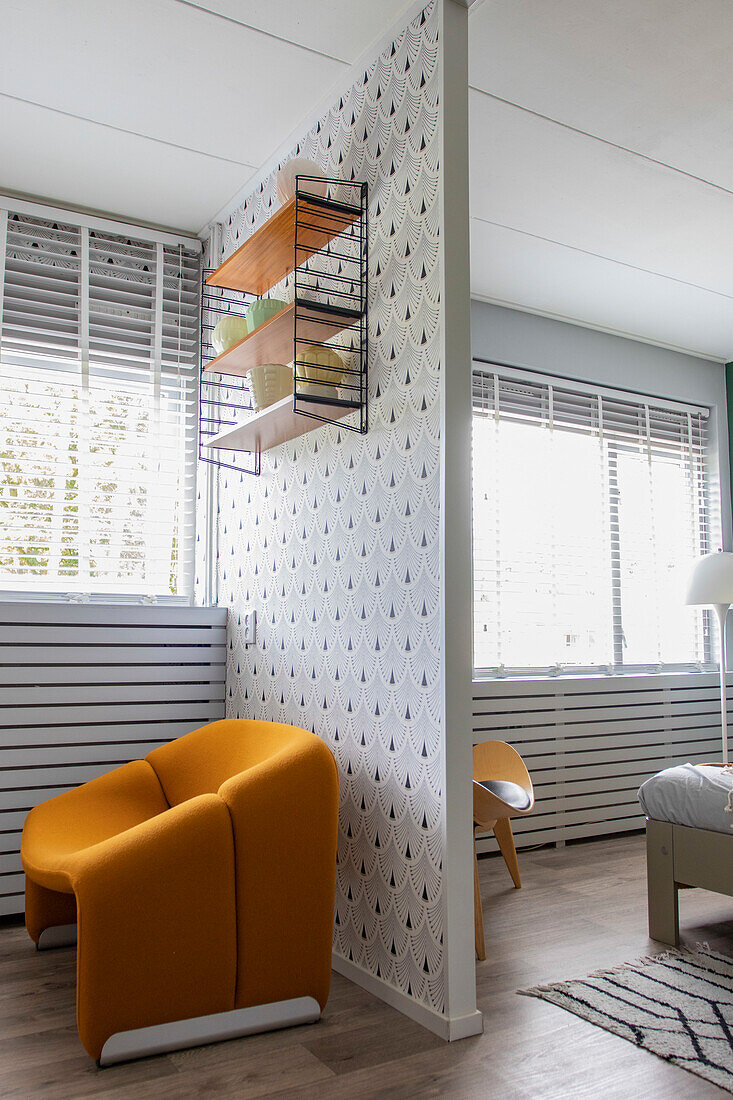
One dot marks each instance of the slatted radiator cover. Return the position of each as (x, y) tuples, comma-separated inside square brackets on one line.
[(85, 687), (589, 744)]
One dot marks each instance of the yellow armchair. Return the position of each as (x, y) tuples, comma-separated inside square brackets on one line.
[(202, 881)]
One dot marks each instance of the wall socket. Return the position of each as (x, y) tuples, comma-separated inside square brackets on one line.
[(249, 625)]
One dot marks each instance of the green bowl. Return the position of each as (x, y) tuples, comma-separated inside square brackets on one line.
[(262, 310)]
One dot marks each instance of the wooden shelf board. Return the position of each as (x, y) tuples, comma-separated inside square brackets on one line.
[(273, 341), (274, 425), (269, 254)]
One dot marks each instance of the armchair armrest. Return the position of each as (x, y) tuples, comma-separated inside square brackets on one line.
[(58, 829), (285, 819), (156, 915)]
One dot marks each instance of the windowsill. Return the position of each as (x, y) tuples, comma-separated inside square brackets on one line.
[(111, 599), (480, 677)]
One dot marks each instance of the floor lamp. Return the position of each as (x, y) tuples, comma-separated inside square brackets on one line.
[(711, 584)]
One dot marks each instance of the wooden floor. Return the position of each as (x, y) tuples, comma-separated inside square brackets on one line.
[(581, 908)]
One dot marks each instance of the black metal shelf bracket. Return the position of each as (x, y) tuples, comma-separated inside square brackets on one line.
[(224, 400), (334, 280)]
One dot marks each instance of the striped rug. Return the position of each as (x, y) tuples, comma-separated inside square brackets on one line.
[(678, 1005)]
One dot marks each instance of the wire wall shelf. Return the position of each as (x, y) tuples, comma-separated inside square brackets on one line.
[(224, 400), (319, 243)]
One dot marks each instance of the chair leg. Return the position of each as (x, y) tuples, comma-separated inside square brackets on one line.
[(478, 913), (503, 834)]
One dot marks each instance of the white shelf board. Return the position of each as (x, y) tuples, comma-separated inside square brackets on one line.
[(274, 425)]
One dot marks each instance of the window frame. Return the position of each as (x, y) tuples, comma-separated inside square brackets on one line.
[(163, 240), (713, 517)]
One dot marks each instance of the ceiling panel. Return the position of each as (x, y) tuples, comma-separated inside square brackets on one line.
[(653, 76), (179, 102), (165, 70), (71, 161), (341, 29), (533, 175), (516, 270), (218, 85)]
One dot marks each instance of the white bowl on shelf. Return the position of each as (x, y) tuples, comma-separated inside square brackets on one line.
[(270, 383), (321, 371), (285, 181), (228, 332)]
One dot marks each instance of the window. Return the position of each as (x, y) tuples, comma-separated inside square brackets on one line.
[(98, 359), (589, 508)]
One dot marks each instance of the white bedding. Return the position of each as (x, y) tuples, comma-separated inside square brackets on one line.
[(689, 794)]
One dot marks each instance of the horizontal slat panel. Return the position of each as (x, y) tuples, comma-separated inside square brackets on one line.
[(577, 722), (13, 817), (569, 704), (126, 732), (610, 754), (594, 685), (62, 695), (556, 740), (10, 841), (93, 713), (85, 688), (110, 635), (11, 904), (62, 775), (122, 614), (17, 802), (9, 863), (12, 884), (549, 836), (590, 743), (112, 654), (21, 675), (117, 752)]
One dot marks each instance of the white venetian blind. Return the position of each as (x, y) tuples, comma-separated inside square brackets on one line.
[(98, 357), (589, 508)]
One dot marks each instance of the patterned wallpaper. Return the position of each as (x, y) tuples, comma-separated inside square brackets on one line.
[(337, 543)]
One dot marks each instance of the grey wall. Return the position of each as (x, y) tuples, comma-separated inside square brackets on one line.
[(512, 338)]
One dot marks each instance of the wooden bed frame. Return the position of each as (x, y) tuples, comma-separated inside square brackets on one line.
[(676, 856)]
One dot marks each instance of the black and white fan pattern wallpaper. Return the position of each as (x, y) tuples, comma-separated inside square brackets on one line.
[(336, 545)]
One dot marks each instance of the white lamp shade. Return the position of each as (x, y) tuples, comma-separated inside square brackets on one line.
[(711, 580)]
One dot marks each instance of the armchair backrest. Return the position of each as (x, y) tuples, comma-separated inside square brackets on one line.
[(201, 761)]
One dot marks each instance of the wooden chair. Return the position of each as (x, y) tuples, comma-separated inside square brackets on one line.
[(502, 789)]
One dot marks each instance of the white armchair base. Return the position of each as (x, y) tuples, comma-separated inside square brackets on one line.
[(200, 1030)]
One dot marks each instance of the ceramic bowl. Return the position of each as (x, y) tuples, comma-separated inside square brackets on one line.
[(323, 368), (262, 310), (228, 331), (269, 384), (299, 166)]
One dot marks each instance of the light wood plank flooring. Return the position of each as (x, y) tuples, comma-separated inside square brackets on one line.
[(581, 908)]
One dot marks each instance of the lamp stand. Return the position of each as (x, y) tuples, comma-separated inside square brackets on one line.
[(721, 610)]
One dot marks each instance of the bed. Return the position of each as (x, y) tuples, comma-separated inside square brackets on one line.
[(689, 835)]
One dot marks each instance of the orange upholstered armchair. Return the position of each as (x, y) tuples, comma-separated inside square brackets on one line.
[(201, 880)]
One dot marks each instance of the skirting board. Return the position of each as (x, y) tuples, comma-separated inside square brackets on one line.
[(459, 1027)]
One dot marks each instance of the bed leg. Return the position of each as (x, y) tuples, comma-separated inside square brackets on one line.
[(664, 924)]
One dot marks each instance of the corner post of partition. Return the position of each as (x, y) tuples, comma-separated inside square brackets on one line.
[(463, 1018)]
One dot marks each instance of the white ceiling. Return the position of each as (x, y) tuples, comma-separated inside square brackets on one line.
[(601, 134), (602, 164), (161, 110)]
